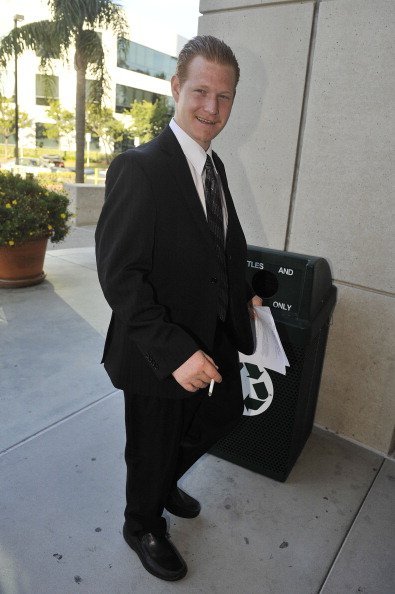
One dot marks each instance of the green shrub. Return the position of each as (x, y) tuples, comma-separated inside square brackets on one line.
[(29, 210), (54, 180)]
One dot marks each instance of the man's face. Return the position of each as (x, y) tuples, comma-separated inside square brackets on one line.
[(204, 101)]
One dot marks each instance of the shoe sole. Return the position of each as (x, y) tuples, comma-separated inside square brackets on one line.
[(135, 547)]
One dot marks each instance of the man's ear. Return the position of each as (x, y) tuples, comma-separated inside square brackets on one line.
[(175, 87)]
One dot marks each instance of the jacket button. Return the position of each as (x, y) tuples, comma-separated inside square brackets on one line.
[(213, 280)]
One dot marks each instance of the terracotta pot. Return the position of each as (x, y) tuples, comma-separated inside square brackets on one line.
[(22, 265)]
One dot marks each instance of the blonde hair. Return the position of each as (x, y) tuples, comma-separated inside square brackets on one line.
[(208, 47)]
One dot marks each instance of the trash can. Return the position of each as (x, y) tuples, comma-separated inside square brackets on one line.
[(279, 409)]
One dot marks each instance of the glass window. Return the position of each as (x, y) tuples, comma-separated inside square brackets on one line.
[(124, 97), (42, 136), (139, 58), (94, 144), (47, 88)]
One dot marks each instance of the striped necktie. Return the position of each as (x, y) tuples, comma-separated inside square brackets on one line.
[(215, 222)]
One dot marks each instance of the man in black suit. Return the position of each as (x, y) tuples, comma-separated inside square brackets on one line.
[(171, 258)]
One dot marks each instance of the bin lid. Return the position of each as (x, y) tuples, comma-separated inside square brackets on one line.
[(293, 285)]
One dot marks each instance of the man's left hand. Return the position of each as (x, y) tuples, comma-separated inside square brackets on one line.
[(255, 301)]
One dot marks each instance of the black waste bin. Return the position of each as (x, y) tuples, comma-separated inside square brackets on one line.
[(279, 409)]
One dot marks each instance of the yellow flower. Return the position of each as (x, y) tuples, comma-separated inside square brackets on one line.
[(14, 202), (63, 216), (11, 242), (50, 227), (8, 205)]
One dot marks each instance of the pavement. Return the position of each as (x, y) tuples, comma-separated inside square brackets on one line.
[(328, 529)]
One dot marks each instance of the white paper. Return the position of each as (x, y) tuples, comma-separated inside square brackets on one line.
[(269, 352)]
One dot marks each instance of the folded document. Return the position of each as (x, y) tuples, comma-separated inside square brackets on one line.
[(269, 352)]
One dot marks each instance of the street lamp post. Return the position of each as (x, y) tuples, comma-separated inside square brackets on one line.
[(88, 138), (17, 19)]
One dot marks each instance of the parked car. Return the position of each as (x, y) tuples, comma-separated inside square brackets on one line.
[(27, 165), (87, 170), (55, 160)]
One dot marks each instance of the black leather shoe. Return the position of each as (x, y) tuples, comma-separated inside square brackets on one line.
[(181, 504), (158, 555)]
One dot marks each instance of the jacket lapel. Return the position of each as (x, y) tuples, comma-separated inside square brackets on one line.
[(178, 164)]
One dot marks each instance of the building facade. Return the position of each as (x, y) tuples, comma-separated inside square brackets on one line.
[(137, 70)]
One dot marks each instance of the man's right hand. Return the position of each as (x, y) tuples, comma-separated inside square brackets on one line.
[(197, 372)]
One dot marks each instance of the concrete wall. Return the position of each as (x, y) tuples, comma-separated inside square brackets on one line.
[(307, 152), (86, 202)]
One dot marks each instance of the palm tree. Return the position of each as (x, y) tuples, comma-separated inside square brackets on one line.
[(72, 26)]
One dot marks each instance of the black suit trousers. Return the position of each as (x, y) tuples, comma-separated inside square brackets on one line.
[(164, 437)]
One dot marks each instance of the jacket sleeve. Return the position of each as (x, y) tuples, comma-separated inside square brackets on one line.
[(125, 238), (250, 293)]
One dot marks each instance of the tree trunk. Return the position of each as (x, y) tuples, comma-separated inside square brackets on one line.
[(80, 125)]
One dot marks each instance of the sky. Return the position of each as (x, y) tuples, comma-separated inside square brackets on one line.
[(179, 15)]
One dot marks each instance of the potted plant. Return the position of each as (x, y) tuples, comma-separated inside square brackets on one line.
[(30, 214)]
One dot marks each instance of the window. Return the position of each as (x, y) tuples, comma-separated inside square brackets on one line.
[(42, 136), (140, 58), (47, 88), (94, 144), (126, 95)]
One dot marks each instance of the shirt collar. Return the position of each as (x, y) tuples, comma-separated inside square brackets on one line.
[(191, 149)]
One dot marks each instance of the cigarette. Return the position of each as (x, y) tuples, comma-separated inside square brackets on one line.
[(211, 388)]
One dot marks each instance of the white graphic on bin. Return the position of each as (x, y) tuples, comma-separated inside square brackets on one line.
[(257, 389)]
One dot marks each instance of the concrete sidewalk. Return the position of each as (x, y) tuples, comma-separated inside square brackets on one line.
[(328, 529)]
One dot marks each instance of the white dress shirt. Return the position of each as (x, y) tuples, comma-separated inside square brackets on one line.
[(196, 157)]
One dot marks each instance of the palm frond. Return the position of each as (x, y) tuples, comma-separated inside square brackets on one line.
[(89, 42), (43, 37), (90, 54), (111, 16), (71, 12), (80, 14)]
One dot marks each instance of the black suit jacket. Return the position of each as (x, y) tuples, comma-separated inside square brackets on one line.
[(158, 268)]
